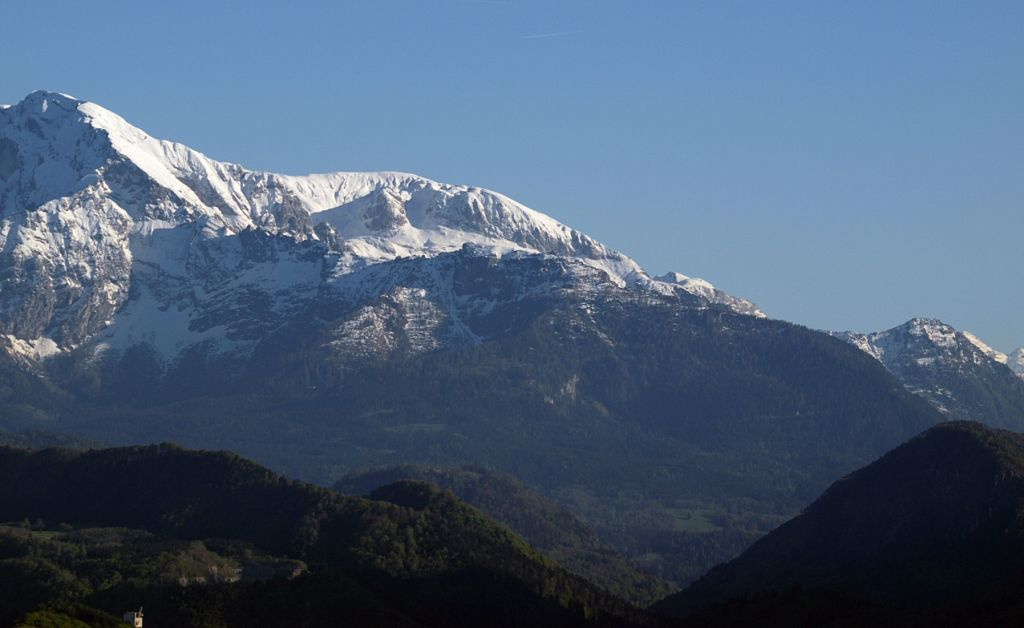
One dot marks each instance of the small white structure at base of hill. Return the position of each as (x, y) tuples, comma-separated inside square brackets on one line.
[(133, 618)]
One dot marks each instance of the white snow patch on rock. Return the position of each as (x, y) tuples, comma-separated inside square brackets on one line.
[(998, 356)]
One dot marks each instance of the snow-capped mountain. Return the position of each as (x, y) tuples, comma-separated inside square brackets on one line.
[(954, 370), (1016, 361), (704, 289), (995, 354), (110, 237)]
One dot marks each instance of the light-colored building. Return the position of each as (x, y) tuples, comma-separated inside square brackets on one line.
[(133, 618)]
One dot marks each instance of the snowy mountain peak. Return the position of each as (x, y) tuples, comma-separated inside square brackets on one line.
[(683, 280), (1016, 361), (109, 233), (918, 336), (998, 356), (390, 214), (939, 363), (41, 101), (704, 289), (933, 330), (928, 341)]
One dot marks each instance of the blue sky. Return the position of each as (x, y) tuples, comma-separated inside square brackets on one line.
[(845, 165)]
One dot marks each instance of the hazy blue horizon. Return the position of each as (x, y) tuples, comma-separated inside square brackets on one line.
[(845, 167)]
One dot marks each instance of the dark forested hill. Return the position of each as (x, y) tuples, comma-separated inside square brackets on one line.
[(547, 526), (936, 523), (412, 550)]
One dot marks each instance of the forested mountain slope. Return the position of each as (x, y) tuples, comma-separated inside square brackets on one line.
[(936, 523), (418, 552)]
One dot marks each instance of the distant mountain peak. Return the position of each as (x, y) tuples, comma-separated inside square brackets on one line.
[(1016, 361), (917, 334), (933, 329), (41, 100), (704, 289), (956, 371)]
